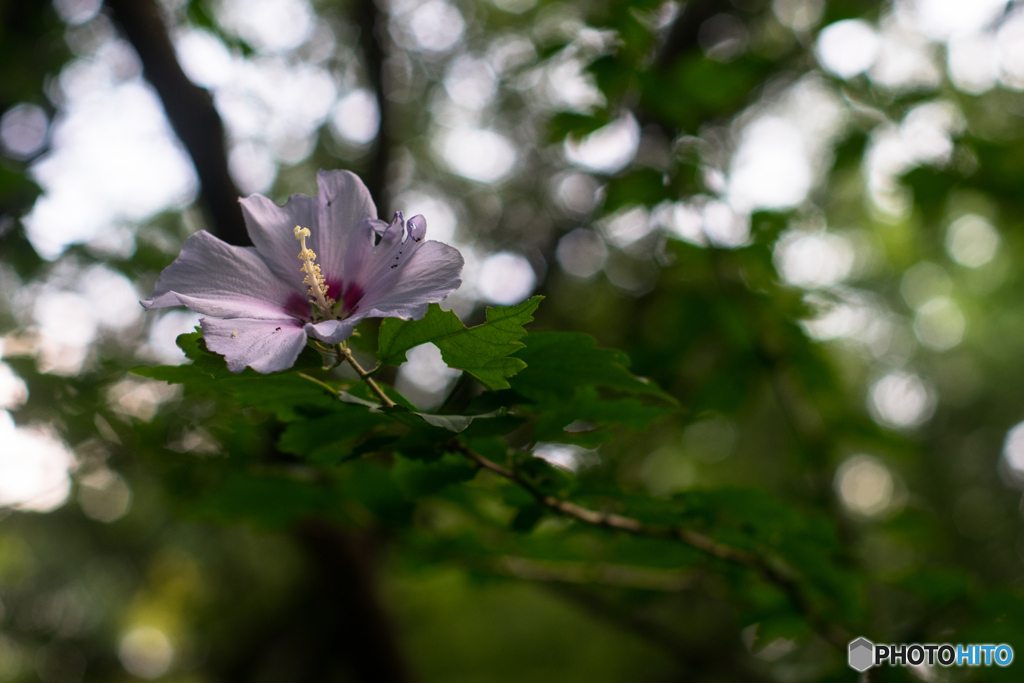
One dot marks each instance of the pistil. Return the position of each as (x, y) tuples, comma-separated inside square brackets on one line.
[(315, 280)]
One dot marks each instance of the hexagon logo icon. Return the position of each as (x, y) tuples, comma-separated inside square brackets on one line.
[(862, 654)]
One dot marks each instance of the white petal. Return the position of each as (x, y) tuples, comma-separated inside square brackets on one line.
[(213, 277), (334, 331), (264, 345), (432, 272), (344, 201), (272, 229)]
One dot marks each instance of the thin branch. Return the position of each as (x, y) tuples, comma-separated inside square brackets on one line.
[(314, 380), (345, 354), (769, 571), (764, 567)]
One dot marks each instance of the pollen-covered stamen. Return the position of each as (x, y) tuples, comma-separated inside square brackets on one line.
[(315, 280)]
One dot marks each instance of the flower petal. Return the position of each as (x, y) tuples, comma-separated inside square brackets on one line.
[(343, 203), (272, 229), (213, 277), (367, 259), (432, 272), (334, 331), (264, 345), (417, 227)]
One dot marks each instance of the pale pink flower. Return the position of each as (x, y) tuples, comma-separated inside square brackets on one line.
[(320, 265)]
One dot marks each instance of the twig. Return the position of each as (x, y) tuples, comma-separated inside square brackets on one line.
[(345, 354), (314, 380), (769, 571), (762, 566)]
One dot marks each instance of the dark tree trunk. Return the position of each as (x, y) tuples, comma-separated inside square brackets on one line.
[(189, 109)]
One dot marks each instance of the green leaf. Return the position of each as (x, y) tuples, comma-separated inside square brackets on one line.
[(453, 423), (753, 520), (587, 406), (483, 351), (569, 380), (565, 124), (528, 517), (326, 440), (285, 394), (559, 362), (418, 478), (267, 501)]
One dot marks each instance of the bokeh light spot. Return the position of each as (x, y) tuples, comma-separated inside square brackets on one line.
[(141, 398), (972, 241), (902, 400), (771, 168), (799, 15), (436, 25), (581, 253), (848, 47), (23, 130), (813, 259), (1013, 451), (576, 193), (865, 485), (269, 25), (13, 390), (471, 82), (506, 278), (146, 652), (104, 496), (939, 324), (607, 149), (76, 12), (478, 154), (567, 456), (34, 467), (252, 167), (356, 117), (923, 282), (425, 377)]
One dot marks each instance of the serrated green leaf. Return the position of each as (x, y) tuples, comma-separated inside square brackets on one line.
[(484, 351), (559, 362), (326, 440), (281, 393), (453, 423)]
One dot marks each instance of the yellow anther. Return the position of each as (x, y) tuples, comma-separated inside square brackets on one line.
[(317, 285)]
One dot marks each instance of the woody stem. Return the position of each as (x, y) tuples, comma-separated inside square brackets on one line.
[(345, 354)]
